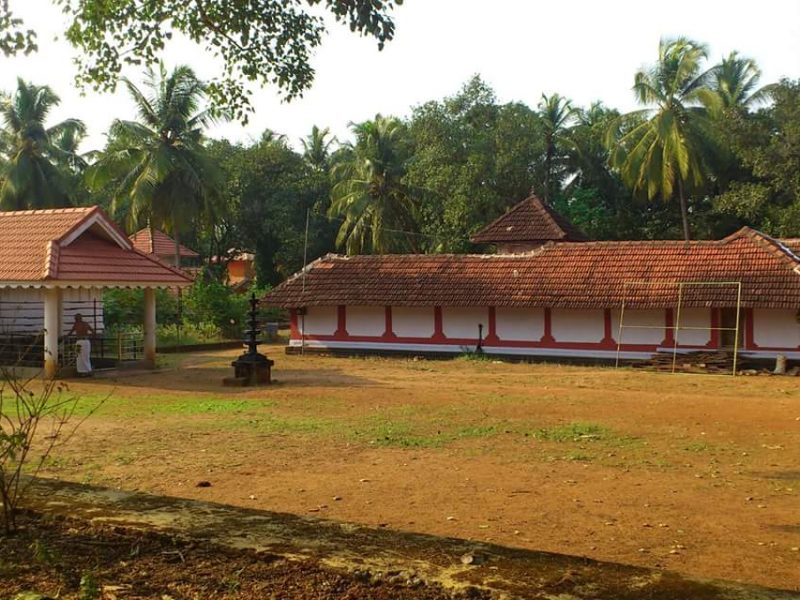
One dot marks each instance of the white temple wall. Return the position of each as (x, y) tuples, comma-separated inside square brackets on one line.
[(366, 320), (413, 321), (319, 320), (462, 323), (775, 328), (519, 324), (568, 325)]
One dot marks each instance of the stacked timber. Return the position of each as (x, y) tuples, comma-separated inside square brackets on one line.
[(690, 362)]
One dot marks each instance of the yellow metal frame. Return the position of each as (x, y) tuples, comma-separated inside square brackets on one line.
[(676, 327)]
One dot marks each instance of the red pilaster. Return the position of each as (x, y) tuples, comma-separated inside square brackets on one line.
[(548, 338), (341, 321), (669, 328), (389, 332), (608, 336), (491, 337), (438, 326), (294, 329), (749, 325), (715, 333)]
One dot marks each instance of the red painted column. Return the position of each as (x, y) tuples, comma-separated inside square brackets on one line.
[(669, 328), (749, 326), (438, 327), (294, 328), (548, 338), (341, 321), (608, 336), (715, 337), (491, 337), (389, 332)]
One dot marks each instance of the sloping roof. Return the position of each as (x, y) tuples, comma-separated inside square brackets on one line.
[(531, 220), (560, 275), (75, 245), (159, 243)]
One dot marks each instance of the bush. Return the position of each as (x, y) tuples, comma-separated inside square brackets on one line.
[(123, 307), (214, 302)]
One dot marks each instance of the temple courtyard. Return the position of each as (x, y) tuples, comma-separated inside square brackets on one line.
[(698, 474)]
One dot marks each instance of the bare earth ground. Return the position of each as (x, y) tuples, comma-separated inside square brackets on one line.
[(693, 473)]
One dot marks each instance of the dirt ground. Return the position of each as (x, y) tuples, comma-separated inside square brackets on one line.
[(693, 473)]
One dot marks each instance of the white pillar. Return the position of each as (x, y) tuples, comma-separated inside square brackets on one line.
[(52, 321), (150, 326)]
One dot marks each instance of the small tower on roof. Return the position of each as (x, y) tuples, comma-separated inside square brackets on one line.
[(527, 226)]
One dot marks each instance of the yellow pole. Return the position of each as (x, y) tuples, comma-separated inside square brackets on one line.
[(676, 327), (621, 316), (736, 334)]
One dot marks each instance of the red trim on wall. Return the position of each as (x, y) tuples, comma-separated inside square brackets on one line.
[(438, 326), (294, 329), (341, 323), (749, 333), (715, 340), (491, 337), (388, 333), (669, 328), (608, 336), (548, 338)]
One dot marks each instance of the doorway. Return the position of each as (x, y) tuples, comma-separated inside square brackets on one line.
[(727, 321)]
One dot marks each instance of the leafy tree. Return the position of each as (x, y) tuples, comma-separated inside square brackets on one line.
[(768, 145), (259, 42), (268, 193), (557, 114), (378, 210), (473, 158), (37, 160), (317, 148), (664, 150), (734, 84), (157, 168)]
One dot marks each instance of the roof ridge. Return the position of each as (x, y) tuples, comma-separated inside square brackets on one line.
[(48, 211)]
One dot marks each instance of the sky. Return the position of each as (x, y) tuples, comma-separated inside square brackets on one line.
[(586, 50)]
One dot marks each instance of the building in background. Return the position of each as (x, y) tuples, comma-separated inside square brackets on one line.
[(551, 293)]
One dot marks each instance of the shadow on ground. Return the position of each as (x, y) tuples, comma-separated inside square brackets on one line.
[(453, 563)]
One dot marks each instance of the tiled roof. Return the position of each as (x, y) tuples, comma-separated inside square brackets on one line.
[(561, 275), (159, 243), (74, 245), (532, 220)]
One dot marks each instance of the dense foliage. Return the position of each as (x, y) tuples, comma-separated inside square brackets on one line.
[(709, 151), (259, 42)]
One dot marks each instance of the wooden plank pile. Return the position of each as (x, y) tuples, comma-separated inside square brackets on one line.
[(692, 362)]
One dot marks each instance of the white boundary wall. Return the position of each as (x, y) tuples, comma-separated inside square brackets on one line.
[(570, 325), (413, 322), (366, 320), (519, 324), (319, 320), (775, 328), (462, 323)]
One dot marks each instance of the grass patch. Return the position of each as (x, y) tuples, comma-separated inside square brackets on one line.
[(276, 425), (402, 434), (574, 432)]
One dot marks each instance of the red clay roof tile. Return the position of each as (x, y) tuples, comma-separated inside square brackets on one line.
[(560, 275), (159, 243), (531, 220), (36, 246)]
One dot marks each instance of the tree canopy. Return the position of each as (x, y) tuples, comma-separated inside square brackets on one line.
[(261, 42)]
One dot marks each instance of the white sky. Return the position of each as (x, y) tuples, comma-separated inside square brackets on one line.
[(583, 49)]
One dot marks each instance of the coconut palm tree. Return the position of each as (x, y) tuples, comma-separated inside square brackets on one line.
[(734, 84), (663, 150), (317, 148), (36, 160), (377, 208), (557, 114), (157, 169)]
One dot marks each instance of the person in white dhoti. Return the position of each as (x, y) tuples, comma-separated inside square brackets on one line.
[(82, 330)]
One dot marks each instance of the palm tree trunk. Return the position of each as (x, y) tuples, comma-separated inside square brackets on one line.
[(684, 211)]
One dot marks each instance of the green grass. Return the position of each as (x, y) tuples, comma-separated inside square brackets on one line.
[(574, 432)]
